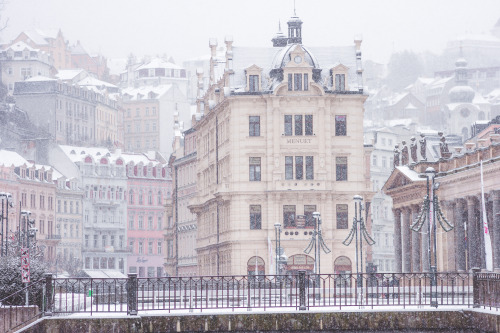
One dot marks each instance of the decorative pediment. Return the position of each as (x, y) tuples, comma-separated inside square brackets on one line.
[(253, 69), (401, 177)]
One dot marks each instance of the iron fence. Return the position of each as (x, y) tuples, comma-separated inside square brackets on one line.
[(134, 295)]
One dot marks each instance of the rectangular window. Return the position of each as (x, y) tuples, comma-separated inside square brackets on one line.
[(289, 216), (374, 160), (340, 126), (298, 125), (288, 167), (290, 82), (308, 118), (308, 213), (150, 247), (254, 169), (309, 167), (306, 82), (95, 241), (141, 248), (104, 241), (141, 222), (159, 248), (299, 167), (341, 168), (340, 82), (297, 81), (254, 126), (150, 222), (288, 125), (342, 222), (255, 217), (253, 83), (131, 223)]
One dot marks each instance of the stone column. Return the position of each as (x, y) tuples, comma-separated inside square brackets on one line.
[(472, 234), (496, 230), (397, 241), (448, 240), (415, 242), (460, 245), (425, 245), (406, 240)]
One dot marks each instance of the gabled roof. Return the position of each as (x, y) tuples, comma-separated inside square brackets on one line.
[(401, 176)]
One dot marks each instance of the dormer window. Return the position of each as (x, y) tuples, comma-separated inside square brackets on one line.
[(253, 78), (340, 82), (339, 77), (253, 83)]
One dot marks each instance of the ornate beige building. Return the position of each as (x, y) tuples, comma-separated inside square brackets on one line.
[(459, 193), (281, 138)]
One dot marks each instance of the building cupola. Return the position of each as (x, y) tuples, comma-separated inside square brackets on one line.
[(294, 30), (279, 39)]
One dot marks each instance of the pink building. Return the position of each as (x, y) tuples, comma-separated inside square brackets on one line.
[(33, 189), (149, 185)]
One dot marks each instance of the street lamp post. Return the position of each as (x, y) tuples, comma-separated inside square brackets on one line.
[(277, 230), (431, 212), (358, 233), (6, 199), (317, 243)]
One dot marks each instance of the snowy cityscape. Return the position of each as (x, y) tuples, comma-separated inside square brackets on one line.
[(277, 177)]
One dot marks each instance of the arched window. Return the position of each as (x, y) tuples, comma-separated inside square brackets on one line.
[(256, 266), (150, 198)]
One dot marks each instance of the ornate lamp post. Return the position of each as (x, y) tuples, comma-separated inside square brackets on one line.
[(277, 231), (358, 227), (431, 212), (6, 201), (317, 243)]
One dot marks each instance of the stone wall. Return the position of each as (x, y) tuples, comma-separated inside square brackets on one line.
[(437, 320), (16, 315)]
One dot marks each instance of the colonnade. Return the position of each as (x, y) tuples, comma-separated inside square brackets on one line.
[(460, 249)]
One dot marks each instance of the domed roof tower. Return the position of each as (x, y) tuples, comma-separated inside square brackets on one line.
[(462, 92)]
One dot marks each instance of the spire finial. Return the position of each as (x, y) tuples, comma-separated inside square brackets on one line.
[(294, 13), (279, 25)]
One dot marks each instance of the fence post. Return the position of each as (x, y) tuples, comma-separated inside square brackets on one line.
[(132, 294), (48, 294), (302, 290), (475, 287)]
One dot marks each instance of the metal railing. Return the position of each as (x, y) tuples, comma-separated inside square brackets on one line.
[(134, 295)]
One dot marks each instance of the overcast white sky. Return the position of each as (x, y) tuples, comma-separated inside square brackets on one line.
[(181, 28)]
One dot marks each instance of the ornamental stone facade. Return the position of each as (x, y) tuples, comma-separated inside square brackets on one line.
[(281, 138), (459, 194)]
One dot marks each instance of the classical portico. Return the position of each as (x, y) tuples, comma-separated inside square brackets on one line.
[(459, 194)]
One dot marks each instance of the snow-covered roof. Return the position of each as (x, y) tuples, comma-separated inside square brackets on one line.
[(69, 74), (412, 175), (158, 63), (39, 37), (11, 158), (78, 154), (91, 81), (20, 46), (141, 93), (39, 78), (265, 57)]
